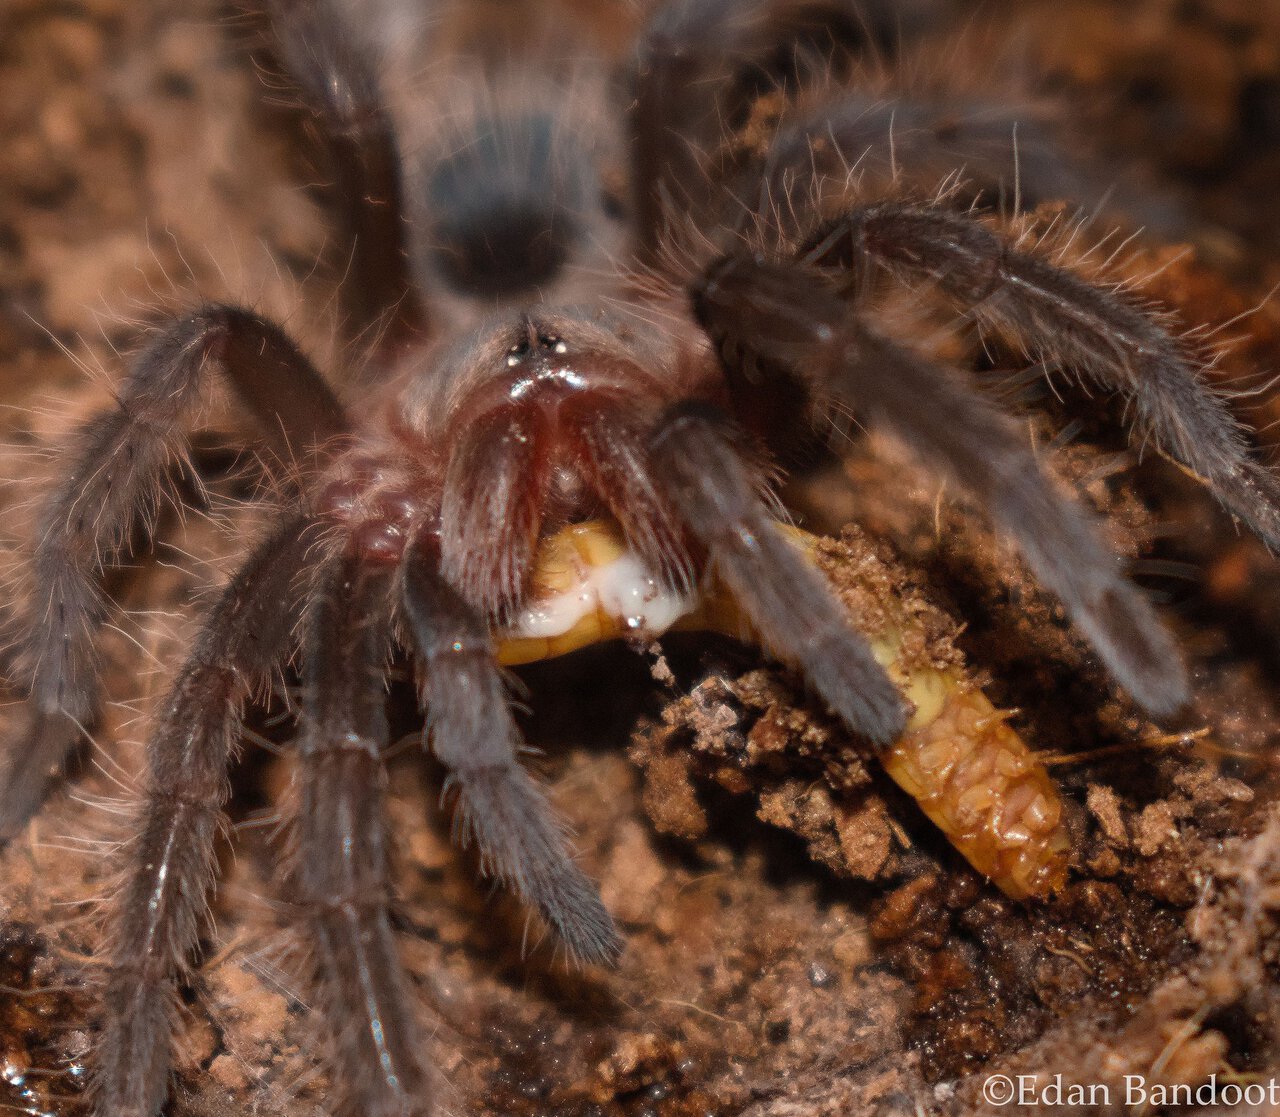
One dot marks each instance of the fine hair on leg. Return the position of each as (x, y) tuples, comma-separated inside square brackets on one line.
[(119, 472), (336, 69), (472, 732), (1082, 327), (159, 912), (342, 847), (790, 314), (786, 599)]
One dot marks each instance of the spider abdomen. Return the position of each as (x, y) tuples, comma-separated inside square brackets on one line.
[(507, 207)]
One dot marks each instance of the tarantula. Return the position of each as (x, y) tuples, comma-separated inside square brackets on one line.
[(739, 312)]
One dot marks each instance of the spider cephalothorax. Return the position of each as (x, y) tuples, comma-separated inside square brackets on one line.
[(415, 513)]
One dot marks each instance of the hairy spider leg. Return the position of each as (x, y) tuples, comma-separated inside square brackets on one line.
[(790, 313), (472, 732), (159, 912), (981, 152), (342, 848), (689, 58), (1080, 326), (120, 471), (784, 598), (336, 71), (680, 61)]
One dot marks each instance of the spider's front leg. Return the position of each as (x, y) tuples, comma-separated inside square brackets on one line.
[(119, 471), (159, 911), (342, 846), (790, 315), (785, 598)]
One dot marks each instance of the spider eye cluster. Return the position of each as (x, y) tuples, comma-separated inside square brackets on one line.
[(522, 350)]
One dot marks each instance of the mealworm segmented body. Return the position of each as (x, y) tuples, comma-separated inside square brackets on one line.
[(959, 758)]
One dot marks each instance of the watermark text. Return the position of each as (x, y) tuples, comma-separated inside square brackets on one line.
[(1054, 1091)]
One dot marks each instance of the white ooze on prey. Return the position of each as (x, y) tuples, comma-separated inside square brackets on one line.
[(623, 589)]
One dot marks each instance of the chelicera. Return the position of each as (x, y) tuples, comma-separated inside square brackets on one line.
[(500, 414)]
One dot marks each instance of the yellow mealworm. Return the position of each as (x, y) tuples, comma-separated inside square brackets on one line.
[(959, 758)]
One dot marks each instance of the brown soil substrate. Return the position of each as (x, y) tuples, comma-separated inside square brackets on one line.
[(801, 941)]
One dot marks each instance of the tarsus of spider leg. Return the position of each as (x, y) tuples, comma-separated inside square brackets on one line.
[(118, 473), (1083, 327), (336, 71), (790, 313), (471, 729), (787, 601), (160, 909), (341, 846)]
